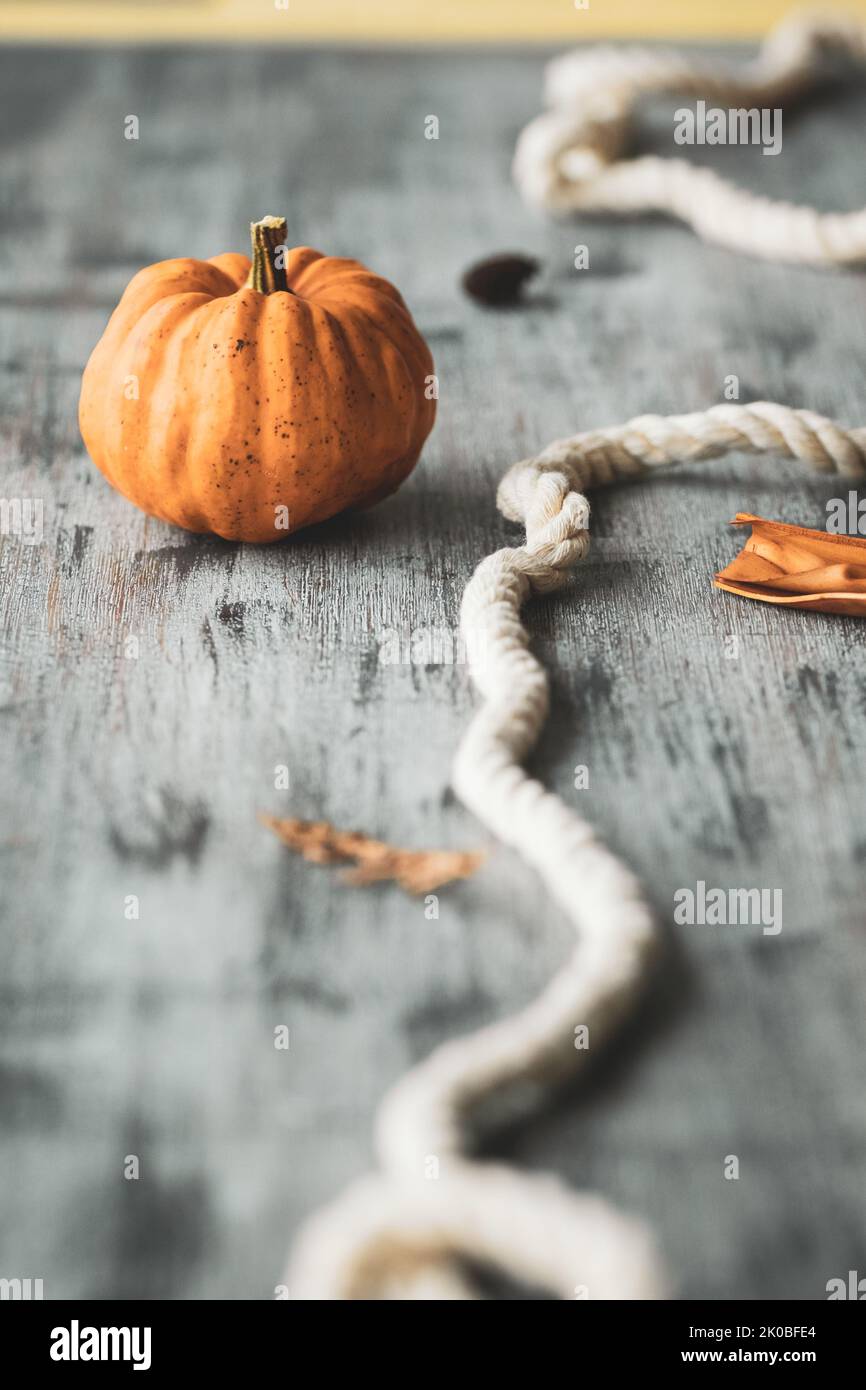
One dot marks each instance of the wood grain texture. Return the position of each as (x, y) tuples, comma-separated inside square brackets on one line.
[(123, 776)]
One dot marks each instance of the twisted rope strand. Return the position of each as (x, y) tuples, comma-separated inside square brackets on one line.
[(570, 157), (401, 1233)]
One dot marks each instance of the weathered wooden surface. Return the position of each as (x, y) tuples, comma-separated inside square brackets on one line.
[(143, 777)]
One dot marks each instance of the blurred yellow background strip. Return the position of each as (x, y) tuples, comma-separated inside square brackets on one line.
[(394, 21)]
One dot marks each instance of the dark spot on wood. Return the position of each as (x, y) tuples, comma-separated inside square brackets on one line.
[(751, 820), (231, 615), (56, 300), (71, 549), (309, 990), (81, 538), (449, 334), (429, 1024), (605, 265), (368, 673), (29, 1098), (189, 556), (157, 1228), (824, 686), (160, 830), (786, 343), (96, 255), (209, 644)]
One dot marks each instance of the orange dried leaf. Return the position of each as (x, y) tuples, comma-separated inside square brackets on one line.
[(416, 871), (797, 567)]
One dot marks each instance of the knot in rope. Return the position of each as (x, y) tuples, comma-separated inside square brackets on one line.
[(557, 533)]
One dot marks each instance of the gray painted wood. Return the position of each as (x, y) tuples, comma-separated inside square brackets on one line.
[(121, 776)]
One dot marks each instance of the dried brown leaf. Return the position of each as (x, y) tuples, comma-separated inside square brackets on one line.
[(799, 568), (416, 871)]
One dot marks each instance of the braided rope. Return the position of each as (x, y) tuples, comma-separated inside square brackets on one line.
[(569, 158), (402, 1233)]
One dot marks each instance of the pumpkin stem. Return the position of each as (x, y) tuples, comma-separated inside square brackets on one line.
[(268, 238)]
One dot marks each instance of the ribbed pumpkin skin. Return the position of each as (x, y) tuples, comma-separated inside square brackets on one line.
[(248, 402)]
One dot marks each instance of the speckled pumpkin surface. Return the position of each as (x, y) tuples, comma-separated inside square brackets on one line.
[(251, 412)]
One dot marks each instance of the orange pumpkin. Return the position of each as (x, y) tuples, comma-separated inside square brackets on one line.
[(251, 400)]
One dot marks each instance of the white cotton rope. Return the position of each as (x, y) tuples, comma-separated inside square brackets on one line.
[(570, 158), (409, 1231)]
